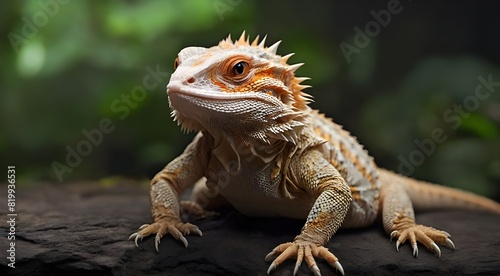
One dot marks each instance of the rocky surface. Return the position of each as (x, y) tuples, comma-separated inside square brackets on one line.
[(83, 229)]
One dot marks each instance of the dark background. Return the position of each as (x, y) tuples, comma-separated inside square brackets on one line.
[(67, 67)]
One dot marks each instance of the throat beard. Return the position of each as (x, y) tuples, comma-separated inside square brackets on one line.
[(232, 151)]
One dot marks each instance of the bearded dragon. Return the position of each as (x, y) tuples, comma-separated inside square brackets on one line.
[(261, 148)]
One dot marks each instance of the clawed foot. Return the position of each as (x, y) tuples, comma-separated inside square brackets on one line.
[(168, 222), (300, 250), (176, 228), (406, 229)]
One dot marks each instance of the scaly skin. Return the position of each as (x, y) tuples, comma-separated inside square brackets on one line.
[(263, 150)]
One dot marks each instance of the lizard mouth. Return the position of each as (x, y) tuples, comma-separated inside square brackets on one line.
[(242, 112), (210, 95)]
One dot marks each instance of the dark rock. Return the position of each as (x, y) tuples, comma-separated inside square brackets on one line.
[(83, 229)]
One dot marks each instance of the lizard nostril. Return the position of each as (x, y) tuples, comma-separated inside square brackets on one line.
[(190, 80)]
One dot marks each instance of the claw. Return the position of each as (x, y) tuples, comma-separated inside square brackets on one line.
[(184, 241), (339, 267), (300, 257), (271, 268), (394, 234), (157, 242), (415, 249), (315, 270), (143, 226), (133, 236), (450, 244), (436, 248), (397, 245), (269, 256), (297, 265), (198, 231), (137, 236)]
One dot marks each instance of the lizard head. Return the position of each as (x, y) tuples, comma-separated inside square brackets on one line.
[(240, 89)]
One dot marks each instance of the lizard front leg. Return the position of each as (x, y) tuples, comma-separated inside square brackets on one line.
[(317, 177), (166, 187), (399, 219)]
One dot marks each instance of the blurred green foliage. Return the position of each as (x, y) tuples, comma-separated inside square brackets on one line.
[(68, 65)]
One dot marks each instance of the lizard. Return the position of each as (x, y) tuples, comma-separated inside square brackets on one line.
[(261, 148)]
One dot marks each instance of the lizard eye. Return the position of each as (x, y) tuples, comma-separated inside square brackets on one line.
[(176, 63), (239, 69), (236, 68)]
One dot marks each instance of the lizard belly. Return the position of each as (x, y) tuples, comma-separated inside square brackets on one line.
[(252, 192), (268, 207)]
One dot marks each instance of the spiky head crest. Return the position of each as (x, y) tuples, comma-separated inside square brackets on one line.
[(256, 47)]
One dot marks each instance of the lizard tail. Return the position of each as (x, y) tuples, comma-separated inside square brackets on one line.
[(426, 196)]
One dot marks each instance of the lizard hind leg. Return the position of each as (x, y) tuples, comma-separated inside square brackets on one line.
[(206, 196), (203, 200), (399, 219)]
